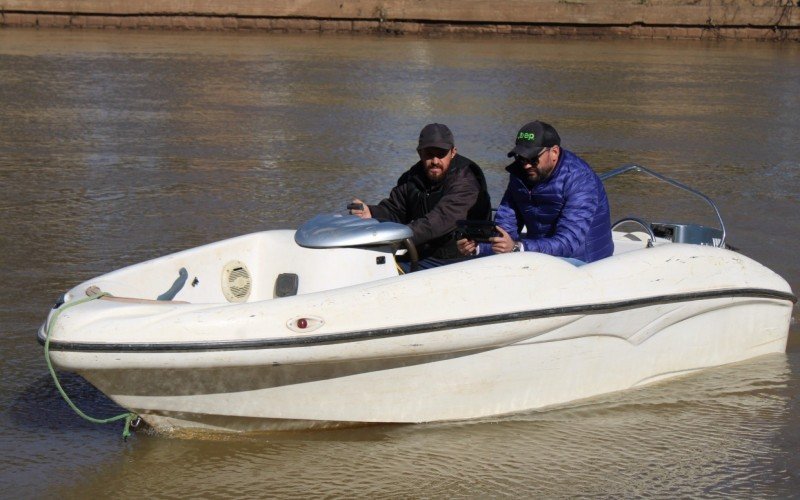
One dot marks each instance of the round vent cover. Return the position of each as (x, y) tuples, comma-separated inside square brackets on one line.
[(236, 283)]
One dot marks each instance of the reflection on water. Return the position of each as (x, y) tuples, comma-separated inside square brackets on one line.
[(718, 432), (120, 147)]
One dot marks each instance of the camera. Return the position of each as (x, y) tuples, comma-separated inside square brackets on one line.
[(476, 230)]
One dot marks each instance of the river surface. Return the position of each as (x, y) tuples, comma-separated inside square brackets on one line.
[(117, 147)]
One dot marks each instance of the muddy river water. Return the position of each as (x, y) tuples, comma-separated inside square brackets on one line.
[(117, 147)]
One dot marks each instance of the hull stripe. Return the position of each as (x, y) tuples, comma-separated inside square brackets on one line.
[(378, 333)]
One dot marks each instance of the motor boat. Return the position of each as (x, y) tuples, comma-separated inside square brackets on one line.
[(319, 327)]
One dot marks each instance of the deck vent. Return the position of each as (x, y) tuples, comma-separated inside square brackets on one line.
[(236, 282)]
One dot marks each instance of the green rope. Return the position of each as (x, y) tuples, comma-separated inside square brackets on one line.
[(129, 417)]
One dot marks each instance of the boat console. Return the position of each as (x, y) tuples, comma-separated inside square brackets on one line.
[(339, 231), (343, 231), (688, 233)]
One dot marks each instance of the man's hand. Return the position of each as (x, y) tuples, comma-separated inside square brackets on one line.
[(364, 213), (466, 247), (502, 243)]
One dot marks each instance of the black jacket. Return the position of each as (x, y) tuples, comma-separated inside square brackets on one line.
[(431, 210)]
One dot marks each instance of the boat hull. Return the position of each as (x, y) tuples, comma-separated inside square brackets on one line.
[(552, 368), (359, 343)]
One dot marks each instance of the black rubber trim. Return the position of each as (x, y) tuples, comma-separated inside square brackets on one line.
[(336, 338)]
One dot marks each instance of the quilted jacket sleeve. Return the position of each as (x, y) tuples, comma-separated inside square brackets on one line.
[(581, 201)]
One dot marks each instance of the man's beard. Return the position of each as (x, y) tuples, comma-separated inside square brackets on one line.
[(435, 175)]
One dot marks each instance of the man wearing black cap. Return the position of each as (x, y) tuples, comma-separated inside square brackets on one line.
[(556, 196), (440, 189)]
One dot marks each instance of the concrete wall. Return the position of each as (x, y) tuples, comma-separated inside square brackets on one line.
[(690, 19)]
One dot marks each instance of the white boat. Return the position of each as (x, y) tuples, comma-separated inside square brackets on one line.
[(316, 327)]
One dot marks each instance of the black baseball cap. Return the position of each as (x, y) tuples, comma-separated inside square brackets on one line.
[(435, 135), (533, 137)]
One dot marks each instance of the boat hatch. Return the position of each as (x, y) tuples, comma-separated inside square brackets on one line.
[(337, 231)]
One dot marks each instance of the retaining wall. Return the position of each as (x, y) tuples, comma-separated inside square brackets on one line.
[(682, 19)]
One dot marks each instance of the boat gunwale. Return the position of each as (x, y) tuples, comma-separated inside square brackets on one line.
[(397, 331)]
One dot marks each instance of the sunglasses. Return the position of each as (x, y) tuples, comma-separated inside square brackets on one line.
[(430, 153), (523, 160)]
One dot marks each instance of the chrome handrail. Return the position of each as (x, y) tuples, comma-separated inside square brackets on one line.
[(638, 168), (646, 226)]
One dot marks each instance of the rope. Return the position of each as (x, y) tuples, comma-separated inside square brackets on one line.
[(129, 416)]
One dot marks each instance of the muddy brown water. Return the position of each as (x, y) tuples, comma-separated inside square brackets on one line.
[(117, 147)]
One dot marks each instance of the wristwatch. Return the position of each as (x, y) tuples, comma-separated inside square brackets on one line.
[(517, 246)]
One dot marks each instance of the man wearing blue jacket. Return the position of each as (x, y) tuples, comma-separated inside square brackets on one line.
[(556, 196)]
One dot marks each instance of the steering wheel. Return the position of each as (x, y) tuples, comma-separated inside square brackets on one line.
[(641, 222), (413, 256)]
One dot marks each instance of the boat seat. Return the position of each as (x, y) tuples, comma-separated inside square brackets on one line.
[(286, 284)]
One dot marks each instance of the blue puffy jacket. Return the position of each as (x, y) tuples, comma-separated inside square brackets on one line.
[(567, 215)]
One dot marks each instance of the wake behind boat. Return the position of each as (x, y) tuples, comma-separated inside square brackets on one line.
[(317, 327)]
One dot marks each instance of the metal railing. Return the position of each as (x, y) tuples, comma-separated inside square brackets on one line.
[(638, 168)]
